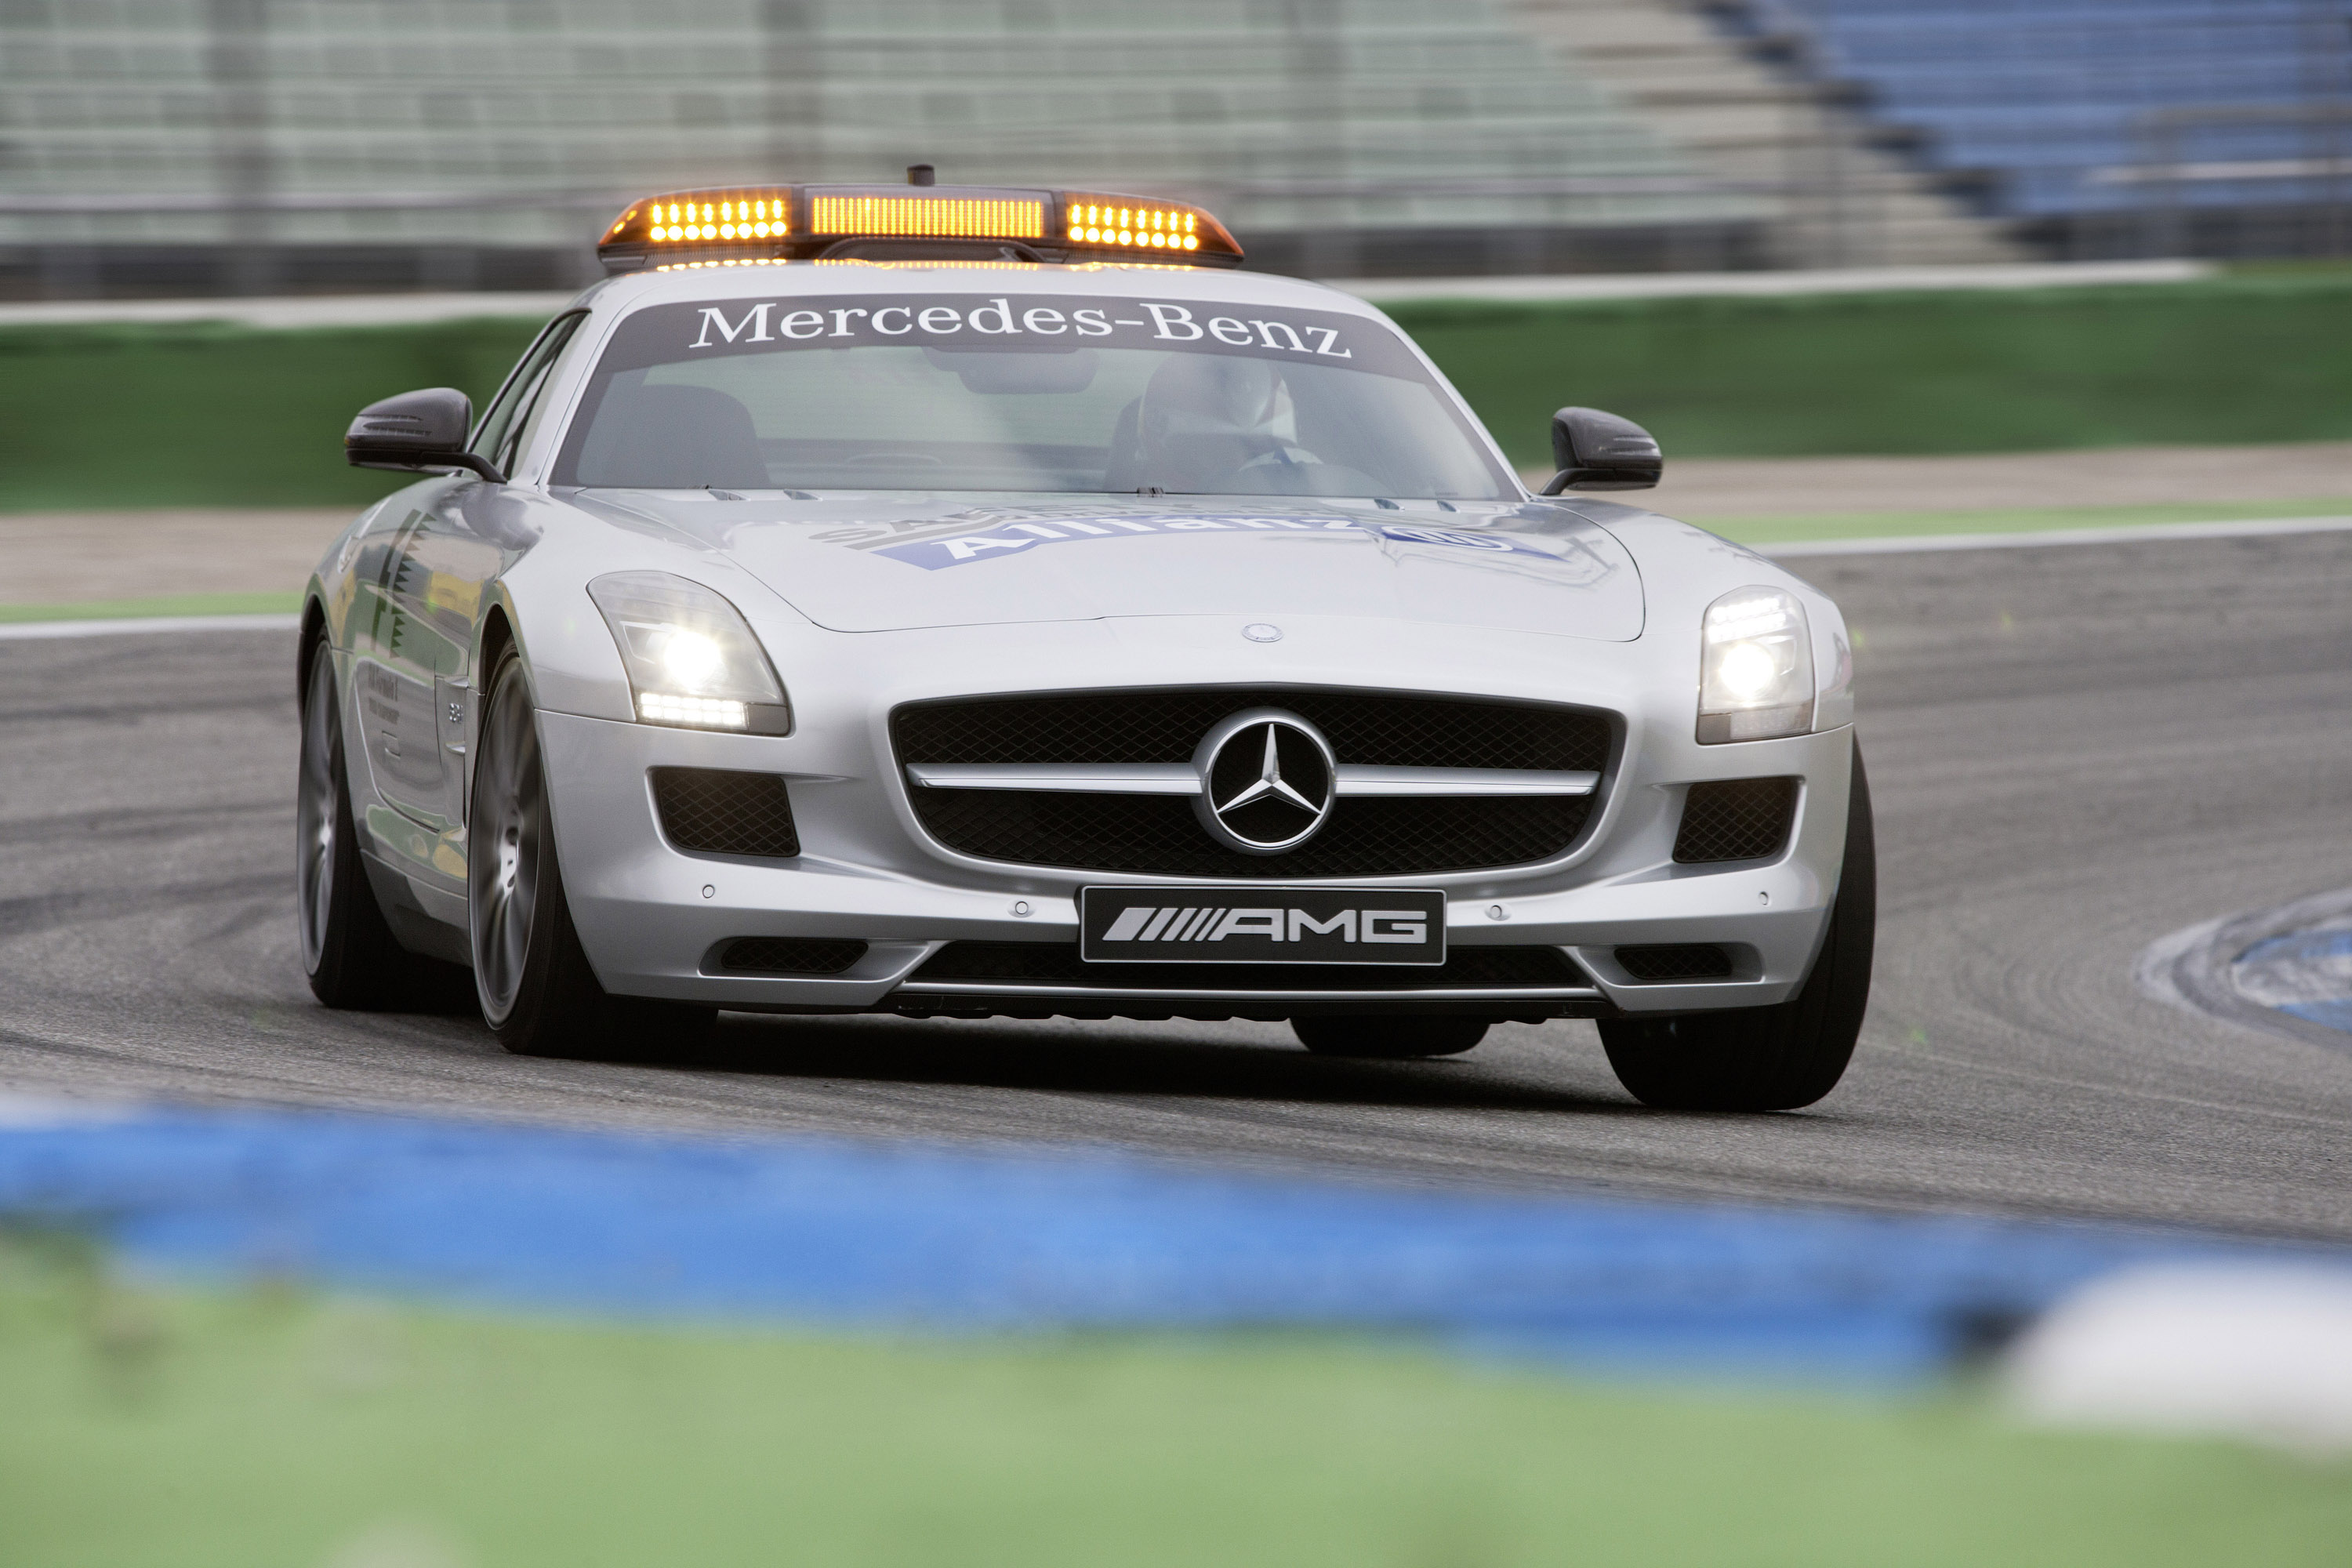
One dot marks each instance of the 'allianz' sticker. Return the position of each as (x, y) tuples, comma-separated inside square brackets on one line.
[(1023, 538)]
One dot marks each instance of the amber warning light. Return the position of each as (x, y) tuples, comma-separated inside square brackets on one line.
[(782, 222)]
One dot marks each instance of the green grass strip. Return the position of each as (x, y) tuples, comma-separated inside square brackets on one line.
[(168, 605), (207, 413), (2023, 520), (2240, 358), (268, 1429)]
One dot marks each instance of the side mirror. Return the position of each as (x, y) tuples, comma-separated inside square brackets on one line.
[(417, 430), (1598, 451)]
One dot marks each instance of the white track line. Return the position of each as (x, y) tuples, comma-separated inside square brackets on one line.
[(15, 630), (2121, 534), (2154, 531), (1827, 280), (387, 310), (293, 311)]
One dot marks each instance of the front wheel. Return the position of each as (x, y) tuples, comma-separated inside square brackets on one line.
[(538, 991), (348, 953), (1778, 1058)]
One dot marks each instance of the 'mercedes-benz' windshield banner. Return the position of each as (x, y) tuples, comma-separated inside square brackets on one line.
[(1006, 322)]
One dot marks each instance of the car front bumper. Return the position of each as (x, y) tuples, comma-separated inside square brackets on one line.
[(652, 919)]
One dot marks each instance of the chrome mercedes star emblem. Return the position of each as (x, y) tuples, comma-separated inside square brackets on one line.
[(1267, 780)]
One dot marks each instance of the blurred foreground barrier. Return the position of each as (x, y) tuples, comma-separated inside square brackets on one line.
[(830, 1232)]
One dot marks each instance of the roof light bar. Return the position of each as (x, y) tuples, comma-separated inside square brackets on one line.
[(806, 222), (947, 215)]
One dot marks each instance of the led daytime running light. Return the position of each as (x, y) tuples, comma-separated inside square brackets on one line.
[(1756, 667)]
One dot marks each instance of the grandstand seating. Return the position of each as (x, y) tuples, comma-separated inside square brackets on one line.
[(2076, 110), (1312, 125)]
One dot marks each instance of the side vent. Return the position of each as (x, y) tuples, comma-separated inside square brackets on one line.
[(789, 955), (708, 811), (1735, 819)]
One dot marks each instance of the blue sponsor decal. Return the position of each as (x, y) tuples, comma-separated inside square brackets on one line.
[(1021, 538)]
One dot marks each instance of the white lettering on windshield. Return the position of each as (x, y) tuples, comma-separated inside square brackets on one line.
[(712, 316), (1164, 316), (1163, 321)]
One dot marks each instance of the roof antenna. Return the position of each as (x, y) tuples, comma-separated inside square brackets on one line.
[(922, 174)]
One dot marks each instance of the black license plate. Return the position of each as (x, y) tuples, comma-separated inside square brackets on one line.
[(1261, 925)]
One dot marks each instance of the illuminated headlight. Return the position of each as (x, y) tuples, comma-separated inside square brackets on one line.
[(691, 659), (1756, 667)]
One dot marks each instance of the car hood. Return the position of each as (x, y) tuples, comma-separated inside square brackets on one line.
[(871, 563)]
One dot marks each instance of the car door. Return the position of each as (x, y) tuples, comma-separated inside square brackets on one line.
[(414, 679), (395, 664)]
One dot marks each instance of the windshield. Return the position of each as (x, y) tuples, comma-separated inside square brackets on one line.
[(1021, 392)]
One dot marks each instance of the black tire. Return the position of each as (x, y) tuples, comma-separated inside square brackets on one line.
[(349, 953), (538, 991), (1768, 1058), (1393, 1037)]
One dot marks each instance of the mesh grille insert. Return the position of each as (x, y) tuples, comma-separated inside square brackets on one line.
[(1158, 834), (1736, 819), (1684, 961), (1165, 726), (1057, 963), (715, 812), (789, 955)]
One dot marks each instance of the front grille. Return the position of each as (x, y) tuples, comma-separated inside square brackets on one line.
[(713, 812), (1692, 961), (1373, 727), (1057, 963), (1158, 835), (789, 955), (1735, 819)]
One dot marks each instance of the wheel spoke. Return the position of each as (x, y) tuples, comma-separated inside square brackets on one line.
[(314, 849), (505, 830)]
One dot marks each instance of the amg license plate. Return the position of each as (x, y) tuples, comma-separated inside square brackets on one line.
[(1261, 925)]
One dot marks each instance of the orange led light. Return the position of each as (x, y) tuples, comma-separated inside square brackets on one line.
[(668, 222), (1146, 227), (959, 217)]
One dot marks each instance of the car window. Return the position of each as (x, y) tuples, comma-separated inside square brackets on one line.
[(1013, 393), (509, 411)]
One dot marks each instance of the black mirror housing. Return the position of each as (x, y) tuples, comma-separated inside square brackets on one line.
[(416, 431), (1599, 451)]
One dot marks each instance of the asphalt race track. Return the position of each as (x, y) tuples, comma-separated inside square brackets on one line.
[(2076, 751)]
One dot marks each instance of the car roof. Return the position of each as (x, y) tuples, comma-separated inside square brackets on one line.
[(771, 280)]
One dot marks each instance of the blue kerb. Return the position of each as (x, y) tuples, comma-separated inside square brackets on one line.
[(2301, 946), (825, 1232), (2301, 973)]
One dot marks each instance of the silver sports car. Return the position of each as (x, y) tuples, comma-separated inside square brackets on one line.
[(961, 602)]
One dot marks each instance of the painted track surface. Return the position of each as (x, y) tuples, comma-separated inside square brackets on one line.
[(2075, 750)]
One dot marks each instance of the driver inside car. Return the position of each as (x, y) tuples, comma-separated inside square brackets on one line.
[(1217, 424)]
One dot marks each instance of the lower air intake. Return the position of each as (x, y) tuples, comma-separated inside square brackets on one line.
[(1656, 966), (789, 955), (1057, 963), (712, 811), (1735, 819)]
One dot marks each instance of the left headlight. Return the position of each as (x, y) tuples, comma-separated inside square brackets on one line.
[(1756, 667), (692, 660)]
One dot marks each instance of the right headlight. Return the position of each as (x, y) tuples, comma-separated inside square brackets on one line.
[(691, 659), (1756, 667)]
